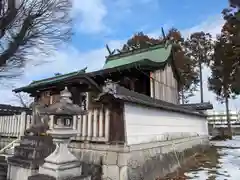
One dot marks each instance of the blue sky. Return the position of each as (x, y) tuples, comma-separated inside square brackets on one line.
[(121, 18), (100, 22)]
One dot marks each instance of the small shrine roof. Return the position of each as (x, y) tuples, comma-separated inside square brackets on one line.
[(155, 54), (152, 57)]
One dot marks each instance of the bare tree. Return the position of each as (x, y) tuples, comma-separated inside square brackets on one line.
[(23, 99), (29, 27)]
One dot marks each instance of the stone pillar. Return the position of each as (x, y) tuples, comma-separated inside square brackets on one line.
[(28, 156)]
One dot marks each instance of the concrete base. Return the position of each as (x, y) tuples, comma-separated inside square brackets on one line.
[(142, 161)]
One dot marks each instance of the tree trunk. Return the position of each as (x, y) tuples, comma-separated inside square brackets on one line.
[(228, 118), (201, 81)]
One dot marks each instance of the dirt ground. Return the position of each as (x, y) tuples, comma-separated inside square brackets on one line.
[(209, 159)]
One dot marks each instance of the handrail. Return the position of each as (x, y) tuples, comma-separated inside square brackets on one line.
[(9, 145)]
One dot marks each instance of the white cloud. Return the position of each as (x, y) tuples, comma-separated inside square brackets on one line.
[(90, 15), (212, 25), (68, 60)]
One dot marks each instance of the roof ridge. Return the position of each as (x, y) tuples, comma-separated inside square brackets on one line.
[(136, 51), (58, 76)]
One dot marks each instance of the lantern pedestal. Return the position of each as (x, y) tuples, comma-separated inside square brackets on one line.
[(61, 163)]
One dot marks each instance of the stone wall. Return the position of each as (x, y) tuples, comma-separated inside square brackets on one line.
[(143, 161)]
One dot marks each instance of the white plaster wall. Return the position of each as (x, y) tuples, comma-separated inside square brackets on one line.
[(143, 124)]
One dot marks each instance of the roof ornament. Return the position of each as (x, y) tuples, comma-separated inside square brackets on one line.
[(163, 34), (110, 87), (109, 50), (57, 74), (82, 70), (165, 39)]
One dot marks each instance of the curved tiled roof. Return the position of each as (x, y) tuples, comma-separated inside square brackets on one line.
[(155, 54)]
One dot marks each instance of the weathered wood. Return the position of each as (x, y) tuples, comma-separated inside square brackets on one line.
[(164, 85)]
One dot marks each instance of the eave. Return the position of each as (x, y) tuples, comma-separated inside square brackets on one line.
[(198, 106), (77, 77), (122, 94)]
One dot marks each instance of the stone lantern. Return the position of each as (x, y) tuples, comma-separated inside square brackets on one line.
[(61, 164)]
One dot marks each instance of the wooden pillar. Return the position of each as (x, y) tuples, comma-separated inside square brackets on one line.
[(14, 129), (8, 125), (4, 125), (152, 85), (79, 125), (95, 123), (84, 128), (23, 123), (18, 125), (89, 134), (12, 119), (107, 124), (14, 125), (1, 124), (101, 123)]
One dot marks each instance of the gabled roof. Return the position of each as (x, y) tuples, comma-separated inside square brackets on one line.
[(69, 76), (155, 54)]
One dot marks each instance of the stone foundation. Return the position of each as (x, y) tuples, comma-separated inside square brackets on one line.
[(143, 161)]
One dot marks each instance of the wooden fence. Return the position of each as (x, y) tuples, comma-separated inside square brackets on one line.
[(91, 127), (14, 125)]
